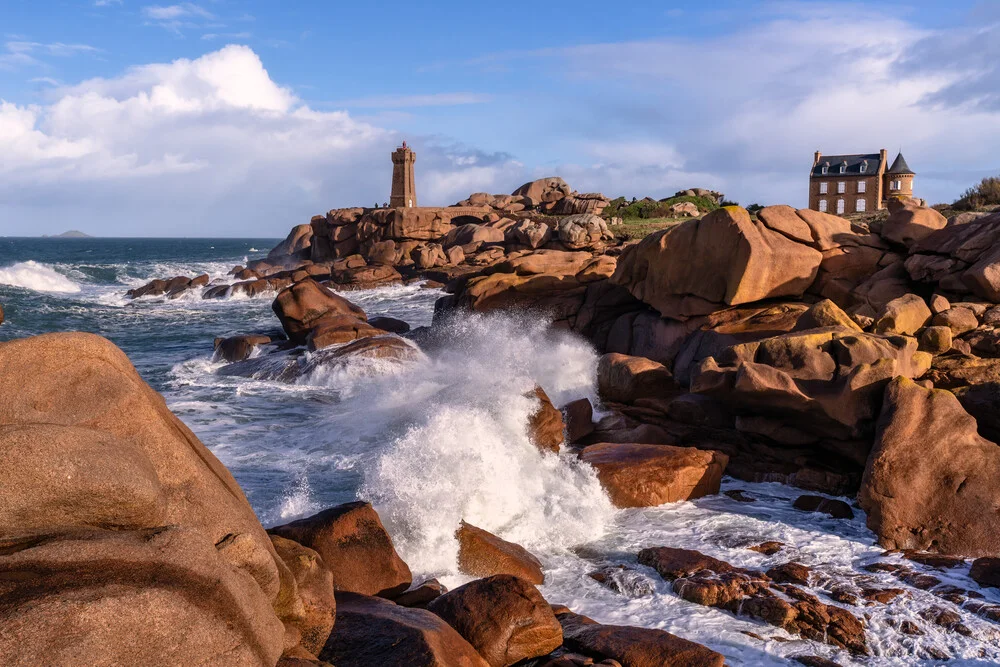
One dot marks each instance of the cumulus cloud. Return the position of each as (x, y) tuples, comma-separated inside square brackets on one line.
[(196, 147)]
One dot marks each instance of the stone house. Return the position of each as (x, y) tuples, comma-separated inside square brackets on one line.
[(845, 184)]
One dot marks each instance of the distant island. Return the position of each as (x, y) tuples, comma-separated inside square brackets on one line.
[(71, 234)]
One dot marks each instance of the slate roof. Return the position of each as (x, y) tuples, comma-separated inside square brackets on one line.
[(854, 163), (899, 166)]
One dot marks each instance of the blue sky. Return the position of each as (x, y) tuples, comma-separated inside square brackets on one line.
[(242, 118)]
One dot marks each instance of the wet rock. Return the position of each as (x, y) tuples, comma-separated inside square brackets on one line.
[(118, 523), (838, 509), (790, 573), (637, 475), (766, 548), (313, 607), (938, 561), (673, 563), (339, 329), (545, 424), (625, 379), (354, 546), (622, 580), (579, 418), (238, 348), (422, 594), (373, 631), (881, 595), (930, 481), (483, 554), (390, 324), (814, 661), (947, 619), (505, 618), (986, 572), (632, 646), (739, 495)]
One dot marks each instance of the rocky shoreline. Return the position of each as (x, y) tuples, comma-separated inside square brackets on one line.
[(790, 346)]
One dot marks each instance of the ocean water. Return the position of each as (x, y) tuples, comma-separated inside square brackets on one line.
[(443, 438)]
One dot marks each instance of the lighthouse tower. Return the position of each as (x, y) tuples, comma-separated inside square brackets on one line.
[(404, 191)]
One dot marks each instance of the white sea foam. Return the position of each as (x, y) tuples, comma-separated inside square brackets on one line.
[(37, 277)]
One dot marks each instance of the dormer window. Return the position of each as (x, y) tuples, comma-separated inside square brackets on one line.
[(826, 170), (843, 168), (864, 166)]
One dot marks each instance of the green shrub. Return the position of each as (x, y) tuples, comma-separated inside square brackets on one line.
[(986, 193), (647, 210)]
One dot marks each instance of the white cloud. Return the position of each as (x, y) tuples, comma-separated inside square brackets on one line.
[(201, 147), (174, 12), (17, 52)]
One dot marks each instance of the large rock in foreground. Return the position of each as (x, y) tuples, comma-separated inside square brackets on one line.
[(372, 631), (725, 258), (931, 481), (355, 546), (126, 541), (637, 475)]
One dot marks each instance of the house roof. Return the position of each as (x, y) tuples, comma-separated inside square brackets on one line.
[(852, 162), (899, 166)]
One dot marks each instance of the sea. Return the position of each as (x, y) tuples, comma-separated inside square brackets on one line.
[(442, 438)]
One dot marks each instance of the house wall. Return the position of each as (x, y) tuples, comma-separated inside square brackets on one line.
[(872, 194)]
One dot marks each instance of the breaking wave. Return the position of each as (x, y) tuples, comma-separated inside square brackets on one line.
[(37, 277)]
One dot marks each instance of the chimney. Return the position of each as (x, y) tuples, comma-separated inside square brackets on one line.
[(883, 156), (816, 156)]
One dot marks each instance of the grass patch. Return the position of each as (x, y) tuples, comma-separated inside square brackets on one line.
[(653, 210), (637, 228)]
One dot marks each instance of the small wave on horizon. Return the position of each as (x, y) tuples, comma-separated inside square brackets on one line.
[(37, 277)]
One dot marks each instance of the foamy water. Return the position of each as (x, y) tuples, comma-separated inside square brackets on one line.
[(37, 277), (442, 438)]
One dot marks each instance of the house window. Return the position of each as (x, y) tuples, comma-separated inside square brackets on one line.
[(864, 166), (841, 187), (860, 208), (843, 169), (896, 185), (840, 206), (822, 188), (862, 187), (826, 170), (822, 205)]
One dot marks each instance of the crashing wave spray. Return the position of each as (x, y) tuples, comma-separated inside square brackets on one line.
[(37, 277), (466, 454)]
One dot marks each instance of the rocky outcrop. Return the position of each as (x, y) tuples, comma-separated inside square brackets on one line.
[(960, 259), (238, 348), (311, 607), (296, 246), (171, 287), (638, 475), (505, 618), (725, 258), (910, 222), (354, 546), (302, 307), (120, 524), (483, 554), (373, 631), (930, 482)]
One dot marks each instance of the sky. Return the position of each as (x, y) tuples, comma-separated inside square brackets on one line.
[(243, 118)]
